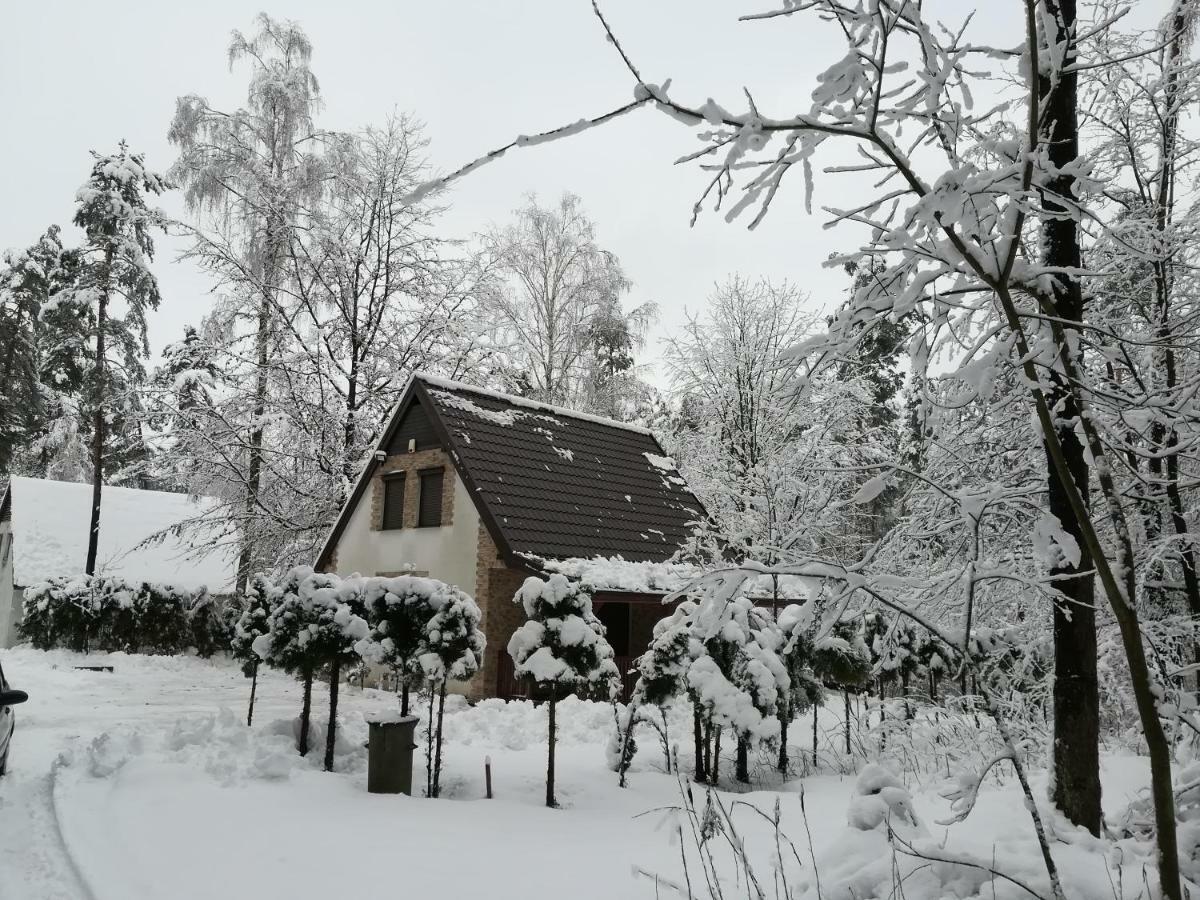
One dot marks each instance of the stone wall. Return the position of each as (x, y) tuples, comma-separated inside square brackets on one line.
[(495, 585)]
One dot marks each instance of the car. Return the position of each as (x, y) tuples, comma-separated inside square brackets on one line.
[(9, 697)]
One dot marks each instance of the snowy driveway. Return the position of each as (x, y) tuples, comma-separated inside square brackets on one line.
[(144, 783)]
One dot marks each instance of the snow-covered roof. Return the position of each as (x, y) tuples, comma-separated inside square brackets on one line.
[(631, 576), (50, 535), (525, 403)]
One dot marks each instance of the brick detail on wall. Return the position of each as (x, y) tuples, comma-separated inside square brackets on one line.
[(495, 585), (411, 464)]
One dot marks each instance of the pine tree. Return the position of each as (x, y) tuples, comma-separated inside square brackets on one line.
[(316, 623), (114, 265), (260, 600), (398, 610), (42, 348), (453, 649), (662, 672), (561, 648)]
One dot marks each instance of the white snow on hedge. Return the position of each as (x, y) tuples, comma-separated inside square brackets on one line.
[(50, 522)]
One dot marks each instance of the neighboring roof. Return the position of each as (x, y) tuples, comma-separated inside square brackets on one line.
[(550, 483), (50, 522)]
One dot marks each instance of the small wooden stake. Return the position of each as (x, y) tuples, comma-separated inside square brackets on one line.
[(487, 775)]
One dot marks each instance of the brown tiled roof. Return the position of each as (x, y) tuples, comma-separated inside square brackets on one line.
[(558, 484)]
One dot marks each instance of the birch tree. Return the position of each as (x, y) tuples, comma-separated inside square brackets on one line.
[(245, 175)]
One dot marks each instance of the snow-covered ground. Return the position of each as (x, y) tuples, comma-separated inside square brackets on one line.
[(145, 783)]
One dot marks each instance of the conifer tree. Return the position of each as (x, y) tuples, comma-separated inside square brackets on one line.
[(317, 623), (561, 648), (398, 610), (454, 645), (42, 354), (255, 620), (114, 265)]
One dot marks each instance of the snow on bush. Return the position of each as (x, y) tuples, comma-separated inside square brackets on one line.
[(562, 646), (317, 622), (398, 610), (562, 649), (97, 612)]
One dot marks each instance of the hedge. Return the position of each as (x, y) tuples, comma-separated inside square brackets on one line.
[(98, 612)]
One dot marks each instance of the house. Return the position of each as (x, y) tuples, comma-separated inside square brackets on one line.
[(44, 533), (482, 490)]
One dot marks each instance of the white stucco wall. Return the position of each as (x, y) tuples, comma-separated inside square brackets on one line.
[(447, 553), (10, 613)]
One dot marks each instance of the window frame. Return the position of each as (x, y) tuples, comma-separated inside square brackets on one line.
[(422, 474), (393, 481)]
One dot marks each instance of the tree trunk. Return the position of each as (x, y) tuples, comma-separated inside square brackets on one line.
[(742, 765), (714, 769), (253, 690), (99, 386), (305, 713), (700, 774), (335, 671), (254, 464), (1076, 754), (849, 746), (550, 751), (785, 714), (404, 697), (429, 747), (437, 753)]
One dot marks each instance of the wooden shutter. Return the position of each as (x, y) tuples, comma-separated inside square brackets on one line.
[(393, 501), (429, 513)]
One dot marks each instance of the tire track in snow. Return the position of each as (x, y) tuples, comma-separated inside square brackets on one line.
[(32, 847)]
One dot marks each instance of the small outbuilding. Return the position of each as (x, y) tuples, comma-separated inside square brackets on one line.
[(44, 534)]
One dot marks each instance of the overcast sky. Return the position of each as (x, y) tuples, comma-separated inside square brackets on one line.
[(76, 76)]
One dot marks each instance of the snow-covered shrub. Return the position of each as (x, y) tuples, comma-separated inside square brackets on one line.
[(562, 648), (452, 649), (318, 622), (662, 674), (209, 624), (99, 612), (738, 681), (61, 612), (398, 610), (255, 620)]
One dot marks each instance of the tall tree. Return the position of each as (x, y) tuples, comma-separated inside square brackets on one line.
[(771, 466), (42, 349), (114, 266), (245, 176), (557, 284)]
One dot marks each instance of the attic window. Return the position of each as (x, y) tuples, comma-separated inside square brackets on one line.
[(429, 512), (393, 501)]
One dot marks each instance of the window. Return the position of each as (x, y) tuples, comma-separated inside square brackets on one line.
[(429, 513), (393, 501)]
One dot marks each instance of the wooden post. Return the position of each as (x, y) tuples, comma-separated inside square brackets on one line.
[(487, 775)]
